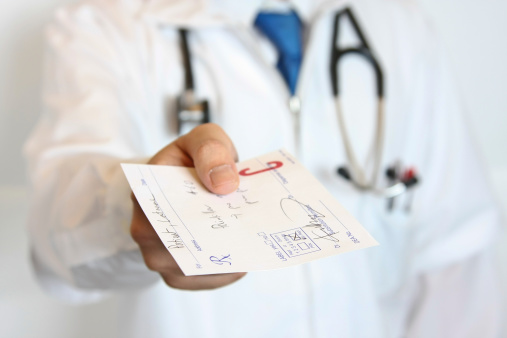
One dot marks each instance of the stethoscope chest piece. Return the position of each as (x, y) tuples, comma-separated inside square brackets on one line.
[(191, 112)]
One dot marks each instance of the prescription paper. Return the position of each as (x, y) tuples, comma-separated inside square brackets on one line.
[(279, 216)]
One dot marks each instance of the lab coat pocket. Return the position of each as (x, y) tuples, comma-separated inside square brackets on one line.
[(391, 228)]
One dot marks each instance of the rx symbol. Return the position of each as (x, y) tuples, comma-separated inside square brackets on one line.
[(221, 261)]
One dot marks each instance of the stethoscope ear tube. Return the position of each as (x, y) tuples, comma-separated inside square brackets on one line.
[(355, 173), (190, 111), (187, 65), (363, 50)]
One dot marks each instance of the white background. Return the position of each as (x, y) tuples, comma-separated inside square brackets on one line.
[(474, 35)]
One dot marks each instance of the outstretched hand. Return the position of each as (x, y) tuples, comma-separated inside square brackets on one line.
[(208, 149)]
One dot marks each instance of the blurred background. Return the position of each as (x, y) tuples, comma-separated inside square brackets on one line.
[(473, 33)]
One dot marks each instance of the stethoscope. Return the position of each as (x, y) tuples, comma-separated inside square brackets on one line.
[(192, 112), (354, 172)]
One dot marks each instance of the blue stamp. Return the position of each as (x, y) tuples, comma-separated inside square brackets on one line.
[(295, 242)]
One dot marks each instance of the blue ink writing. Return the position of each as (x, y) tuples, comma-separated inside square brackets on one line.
[(221, 261)]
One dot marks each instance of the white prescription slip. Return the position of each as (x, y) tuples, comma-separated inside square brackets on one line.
[(280, 216)]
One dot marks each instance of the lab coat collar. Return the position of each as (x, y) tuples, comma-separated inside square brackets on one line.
[(206, 13)]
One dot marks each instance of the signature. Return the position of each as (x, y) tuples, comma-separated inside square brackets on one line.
[(319, 228), (321, 233), (312, 214)]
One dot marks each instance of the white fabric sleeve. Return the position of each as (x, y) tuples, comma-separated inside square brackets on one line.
[(92, 121), (455, 223)]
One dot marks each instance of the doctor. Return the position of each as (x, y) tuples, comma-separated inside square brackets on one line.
[(114, 74)]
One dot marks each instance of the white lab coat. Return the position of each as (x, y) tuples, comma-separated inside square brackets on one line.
[(113, 73)]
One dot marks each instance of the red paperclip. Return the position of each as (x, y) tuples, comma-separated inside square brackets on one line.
[(273, 165)]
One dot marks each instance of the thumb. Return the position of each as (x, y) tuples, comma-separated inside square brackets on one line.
[(214, 157)]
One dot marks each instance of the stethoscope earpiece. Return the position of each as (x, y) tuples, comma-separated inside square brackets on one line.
[(344, 172), (411, 182), (391, 173)]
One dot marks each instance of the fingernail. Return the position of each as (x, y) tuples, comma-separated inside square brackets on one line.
[(222, 175)]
